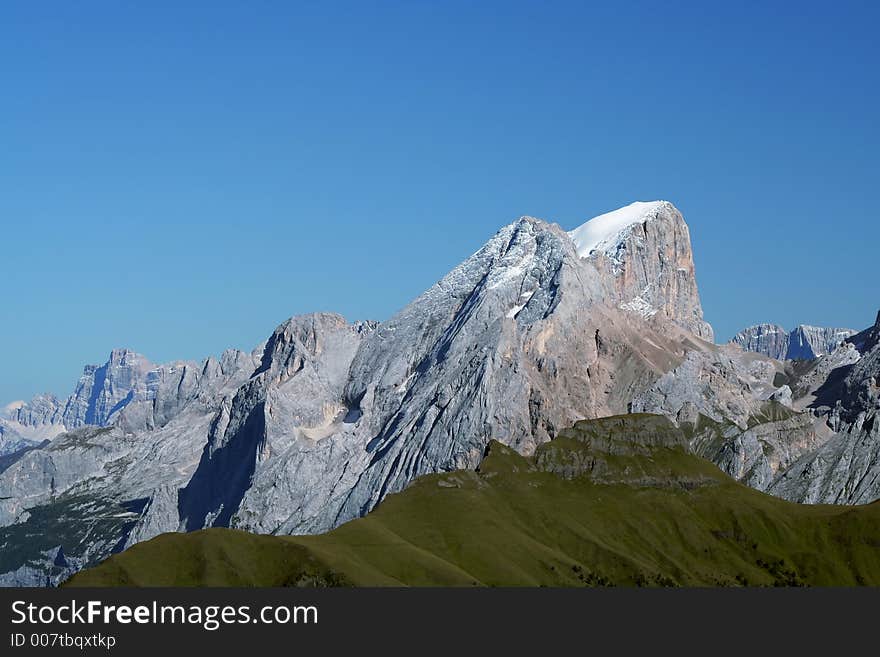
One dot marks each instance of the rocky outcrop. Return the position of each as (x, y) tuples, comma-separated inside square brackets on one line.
[(846, 468), (41, 410), (295, 399), (104, 390), (101, 393), (772, 440), (25, 425), (803, 343), (129, 390), (11, 441), (644, 250), (768, 339), (96, 489), (719, 382), (860, 394), (806, 342)]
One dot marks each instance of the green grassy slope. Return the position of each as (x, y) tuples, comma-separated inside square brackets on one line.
[(617, 501)]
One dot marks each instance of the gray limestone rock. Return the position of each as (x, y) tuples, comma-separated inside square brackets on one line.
[(101, 393), (806, 342), (503, 347), (803, 343), (768, 339), (644, 251), (102, 488), (720, 382), (846, 468), (772, 440)]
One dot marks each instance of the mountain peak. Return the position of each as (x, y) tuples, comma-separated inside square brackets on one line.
[(643, 251), (804, 342), (602, 232), (123, 355)]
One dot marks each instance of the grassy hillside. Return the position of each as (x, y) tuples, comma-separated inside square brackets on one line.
[(617, 501)]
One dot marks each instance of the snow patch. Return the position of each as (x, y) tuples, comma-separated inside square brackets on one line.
[(527, 295), (640, 307), (507, 274), (605, 232)]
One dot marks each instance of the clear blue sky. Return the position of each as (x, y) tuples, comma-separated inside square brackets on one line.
[(180, 177)]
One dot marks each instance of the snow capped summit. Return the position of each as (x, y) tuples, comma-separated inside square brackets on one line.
[(643, 252), (604, 232)]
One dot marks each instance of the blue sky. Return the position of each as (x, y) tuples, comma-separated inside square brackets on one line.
[(179, 178)]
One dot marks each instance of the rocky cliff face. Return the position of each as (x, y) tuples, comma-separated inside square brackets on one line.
[(94, 489), (292, 404), (47, 569), (803, 343), (128, 389), (768, 339), (806, 342), (513, 344), (815, 441), (846, 468), (11, 441), (102, 391), (766, 447), (25, 425), (644, 250)]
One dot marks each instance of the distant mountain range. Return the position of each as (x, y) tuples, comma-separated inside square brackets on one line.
[(536, 331), (802, 343)]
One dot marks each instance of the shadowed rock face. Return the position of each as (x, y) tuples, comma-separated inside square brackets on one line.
[(294, 398), (806, 342), (846, 468), (47, 568), (818, 442), (102, 391)]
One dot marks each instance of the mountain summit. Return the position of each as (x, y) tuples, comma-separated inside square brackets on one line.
[(605, 232), (644, 250)]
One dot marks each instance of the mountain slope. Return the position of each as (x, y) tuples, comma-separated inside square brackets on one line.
[(523, 337), (126, 381), (93, 489), (617, 501), (846, 468)]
